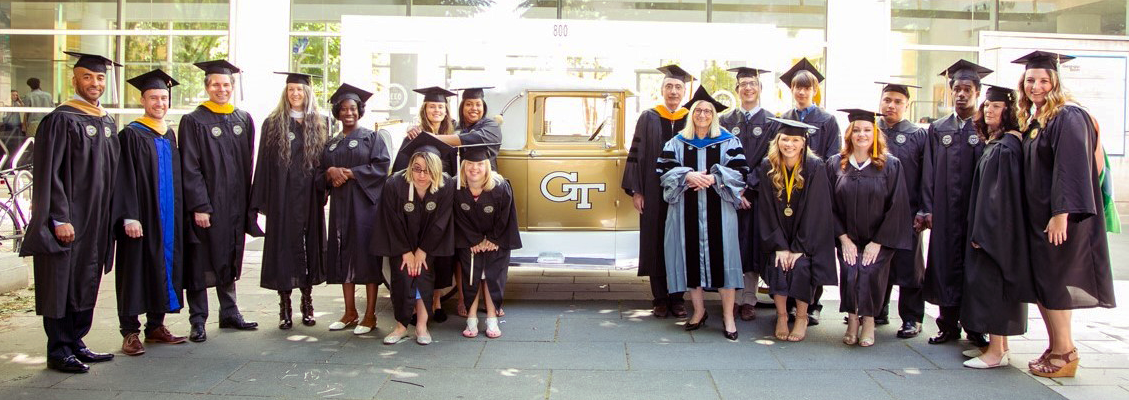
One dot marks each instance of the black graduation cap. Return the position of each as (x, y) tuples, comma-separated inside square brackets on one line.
[(217, 67), (472, 92), (703, 94), (347, 91), (802, 65), (999, 93), (476, 152), (793, 128), (427, 142), (675, 72), (298, 77), (155, 79), (855, 114), (437, 94), (746, 72), (897, 87), (1043, 59), (965, 70), (92, 62)]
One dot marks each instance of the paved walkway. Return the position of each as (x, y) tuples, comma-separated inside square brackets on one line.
[(569, 334)]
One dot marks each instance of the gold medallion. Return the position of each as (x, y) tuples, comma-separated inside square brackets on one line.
[(787, 211)]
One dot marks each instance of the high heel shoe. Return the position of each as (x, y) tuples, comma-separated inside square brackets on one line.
[(1047, 369), (699, 324), (285, 319), (731, 335)]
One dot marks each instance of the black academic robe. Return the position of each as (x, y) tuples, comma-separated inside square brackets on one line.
[(492, 216), (294, 246), (353, 206), (652, 131), (1062, 177), (906, 141), (402, 226), (150, 269), (824, 141), (997, 276), (486, 130), (216, 151), (869, 205), (755, 133), (805, 232), (950, 159), (75, 162)]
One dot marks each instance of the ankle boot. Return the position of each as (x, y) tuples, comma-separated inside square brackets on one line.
[(307, 307), (284, 312)]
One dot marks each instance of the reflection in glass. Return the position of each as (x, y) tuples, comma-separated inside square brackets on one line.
[(177, 14), (920, 68), (953, 23)]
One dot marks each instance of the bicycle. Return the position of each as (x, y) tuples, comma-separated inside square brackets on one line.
[(17, 182)]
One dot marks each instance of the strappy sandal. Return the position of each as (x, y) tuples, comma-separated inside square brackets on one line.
[(792, 336), (471, 330), (492, 330), (1031, 364), (852, 336), (1047, 369), (782, 334)]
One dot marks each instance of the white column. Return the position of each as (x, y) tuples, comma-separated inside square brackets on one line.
[(260, 38), (858, 54)]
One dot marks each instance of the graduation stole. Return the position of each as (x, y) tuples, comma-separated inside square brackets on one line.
[(218, 108), (157, 125), (677, 115), (85, 107)]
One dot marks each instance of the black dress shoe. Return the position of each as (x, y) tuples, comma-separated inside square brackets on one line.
[(909, 330), (237, 322), (89, 356), (978, 339), (67, 364), (439, 316), (813, 317), (882, 320), (944, 337), (413, 321), (699, 325), (198, 334), (678, 310), (731, 335)]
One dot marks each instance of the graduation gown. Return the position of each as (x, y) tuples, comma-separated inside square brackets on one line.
[(825, 141), (216, 154), (950, 159), (486, 130), (353, 206), (654, 128), (150, 269), (906, 141), (755, 133), (424, 223), (869, 205), (698, 252), (75, 162), (1061, 177), (997, 276), (294, 246), (493, 216), (805, 232)]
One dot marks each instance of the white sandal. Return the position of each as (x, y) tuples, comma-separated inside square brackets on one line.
[(492, 330), (471, 328)]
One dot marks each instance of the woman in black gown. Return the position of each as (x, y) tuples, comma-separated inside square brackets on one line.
[(353, 170), (872, 221), (1066, 223)]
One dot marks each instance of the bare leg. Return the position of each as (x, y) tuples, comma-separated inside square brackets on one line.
[(698, 300), (996, 348), (866, 336), (349, 291), (1063, 341), (472, 317), (461, 308), (421, 318), (852, 334), (436, 295), (800, 329), (1050, 335), (728, 299), (491, 312), (781, 303), (371, 292)]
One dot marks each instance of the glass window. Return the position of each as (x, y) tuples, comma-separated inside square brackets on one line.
[(321, 56), (144, 53), (177, 14), (74, 14), (625, 10), (325, 15), (575, 119), (800, 18), (921, 68), (41, 57), (952, 23), (1063, 16)]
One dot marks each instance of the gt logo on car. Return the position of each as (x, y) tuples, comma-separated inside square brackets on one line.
[(573, 191)]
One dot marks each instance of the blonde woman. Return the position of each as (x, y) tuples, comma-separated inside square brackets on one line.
[(703, 171), (793, 209), (294, 137), (485, 233), (1066, 222), (872, 220), (413, 228)]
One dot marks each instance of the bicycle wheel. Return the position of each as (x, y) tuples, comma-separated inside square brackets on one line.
[(11, 229)]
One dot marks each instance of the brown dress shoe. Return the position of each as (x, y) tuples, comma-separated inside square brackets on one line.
[(162, 335), (747, 312), (660, 311), (678, 311), (132, 346)]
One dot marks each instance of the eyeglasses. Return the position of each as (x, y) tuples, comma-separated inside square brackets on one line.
[(703, 111), (747, 85), (419, 170)]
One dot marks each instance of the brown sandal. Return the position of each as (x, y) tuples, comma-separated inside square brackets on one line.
[(1047, 369), (1031, 364)]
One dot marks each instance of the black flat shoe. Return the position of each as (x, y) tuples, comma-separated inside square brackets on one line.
[(699, 325), (237, 322), (68, 364), (882, 320), (909, 330), (89, 356), (978, 339), (439, 316), (944, 337), (731, 335), (198, 334), (813, 317)]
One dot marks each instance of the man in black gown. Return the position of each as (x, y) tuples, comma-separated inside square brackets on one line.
[(75, 161), (951, 152), (216, 142), (655, 127), (906, 141), (147, 204)]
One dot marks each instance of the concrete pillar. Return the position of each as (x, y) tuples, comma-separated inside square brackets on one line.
[(260, 37)]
